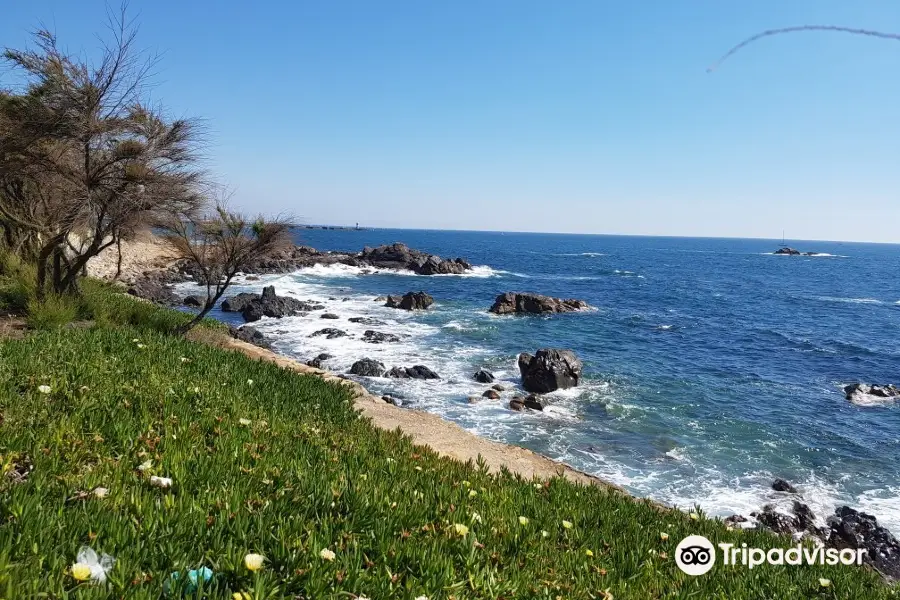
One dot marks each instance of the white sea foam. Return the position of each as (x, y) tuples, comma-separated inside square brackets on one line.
[(590, 254), (849, 300), (342, 270)]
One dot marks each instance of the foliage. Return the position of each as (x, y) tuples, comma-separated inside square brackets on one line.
[(51, 311), (267, 461), (17, 282)]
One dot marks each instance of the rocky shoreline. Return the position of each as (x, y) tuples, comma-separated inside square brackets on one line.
[(549, 369)]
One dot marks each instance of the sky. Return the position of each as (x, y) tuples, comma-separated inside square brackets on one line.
[(582, 116)]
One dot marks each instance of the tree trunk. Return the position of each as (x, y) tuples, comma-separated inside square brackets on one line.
[(118, 259)]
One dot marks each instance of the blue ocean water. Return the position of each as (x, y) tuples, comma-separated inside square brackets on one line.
[(711, 365)]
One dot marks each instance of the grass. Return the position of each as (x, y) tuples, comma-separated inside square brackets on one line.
[(268, 461)]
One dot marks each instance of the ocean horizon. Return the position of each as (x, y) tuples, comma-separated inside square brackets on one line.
[(711, 365)]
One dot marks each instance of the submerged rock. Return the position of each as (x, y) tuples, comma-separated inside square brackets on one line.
[(535, 402), (862, 394), (410, 301), (329, 332), (367, 320), (237, 302), (377, 337), (549, 369), (780, 485), (492, 394), (518, 303), (367, 367), (328, 316)]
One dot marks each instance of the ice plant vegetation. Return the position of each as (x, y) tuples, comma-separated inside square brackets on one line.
[(310, 487)]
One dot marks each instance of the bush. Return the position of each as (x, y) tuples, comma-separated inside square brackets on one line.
[(17, 282), (52, 312)]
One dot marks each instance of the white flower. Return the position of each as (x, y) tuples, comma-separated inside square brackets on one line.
[(472, 493), (244, 422), (476, 518), (141, 346), (90, 566), (249, 382), (824, 582), (544, 533), (523, 521), (145, 466), (663, 536), (44, 389), (101, 492), (185, 359), (362, 598), (135, 340), (567, 524), (160, 482), (421, 597), (327, 554), (254, 562)]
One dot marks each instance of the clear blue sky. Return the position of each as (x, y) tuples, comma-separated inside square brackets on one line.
[(592, 116)]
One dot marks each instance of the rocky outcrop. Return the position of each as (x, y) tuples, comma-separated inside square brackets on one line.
[(330, 333), (238, 302), (483, 376), (318, 361), (787, 250), (415, 372), (849, 528), (492, 394), (410, 301), (156, 288), (377, 337), (549, 369), (868, 395), (270, 305), (400, 256), (250, 335), (367, 320), (367, 367), (517, 303), (329, 316)]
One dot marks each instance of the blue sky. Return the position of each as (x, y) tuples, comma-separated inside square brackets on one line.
[(589, 116)]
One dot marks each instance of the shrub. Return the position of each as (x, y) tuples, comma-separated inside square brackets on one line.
[(52, 312), (17, 282)]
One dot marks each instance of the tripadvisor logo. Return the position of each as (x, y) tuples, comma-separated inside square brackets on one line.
[(696, 555)]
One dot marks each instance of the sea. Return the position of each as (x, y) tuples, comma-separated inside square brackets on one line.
[(711, 366)]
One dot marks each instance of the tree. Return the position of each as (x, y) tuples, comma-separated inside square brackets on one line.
[(84, 158), (220, 246)]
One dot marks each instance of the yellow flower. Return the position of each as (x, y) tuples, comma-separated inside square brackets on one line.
[(254, 562), (327, 554), (567, 524), (589, 552), (523, 520), (461, 529), (694, 516), (81, 571), (472, 493), (417, 468), (241, 596), (824, 582), (663, 536), (545, 534)]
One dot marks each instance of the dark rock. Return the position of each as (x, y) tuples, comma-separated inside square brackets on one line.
[(155, 289), (329, 332), (392, 400), (270, 305), (516, 303), (238, 302), (806, 520), (863, 394), (367, 367), (498, 387), (377, 337), (251, 278), (549, 369), (328, 316), (346, 299), (319, 360), (769, 519), (250, 335), (400, 256), (780, 485), (366, 321), (415, 372), (536, 402), (849, 528), (517, 403), (787, 250), (410, 301), (381, 299), (735, 519), (483, 376), (194, 301), (332, 298), (492, 394)]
